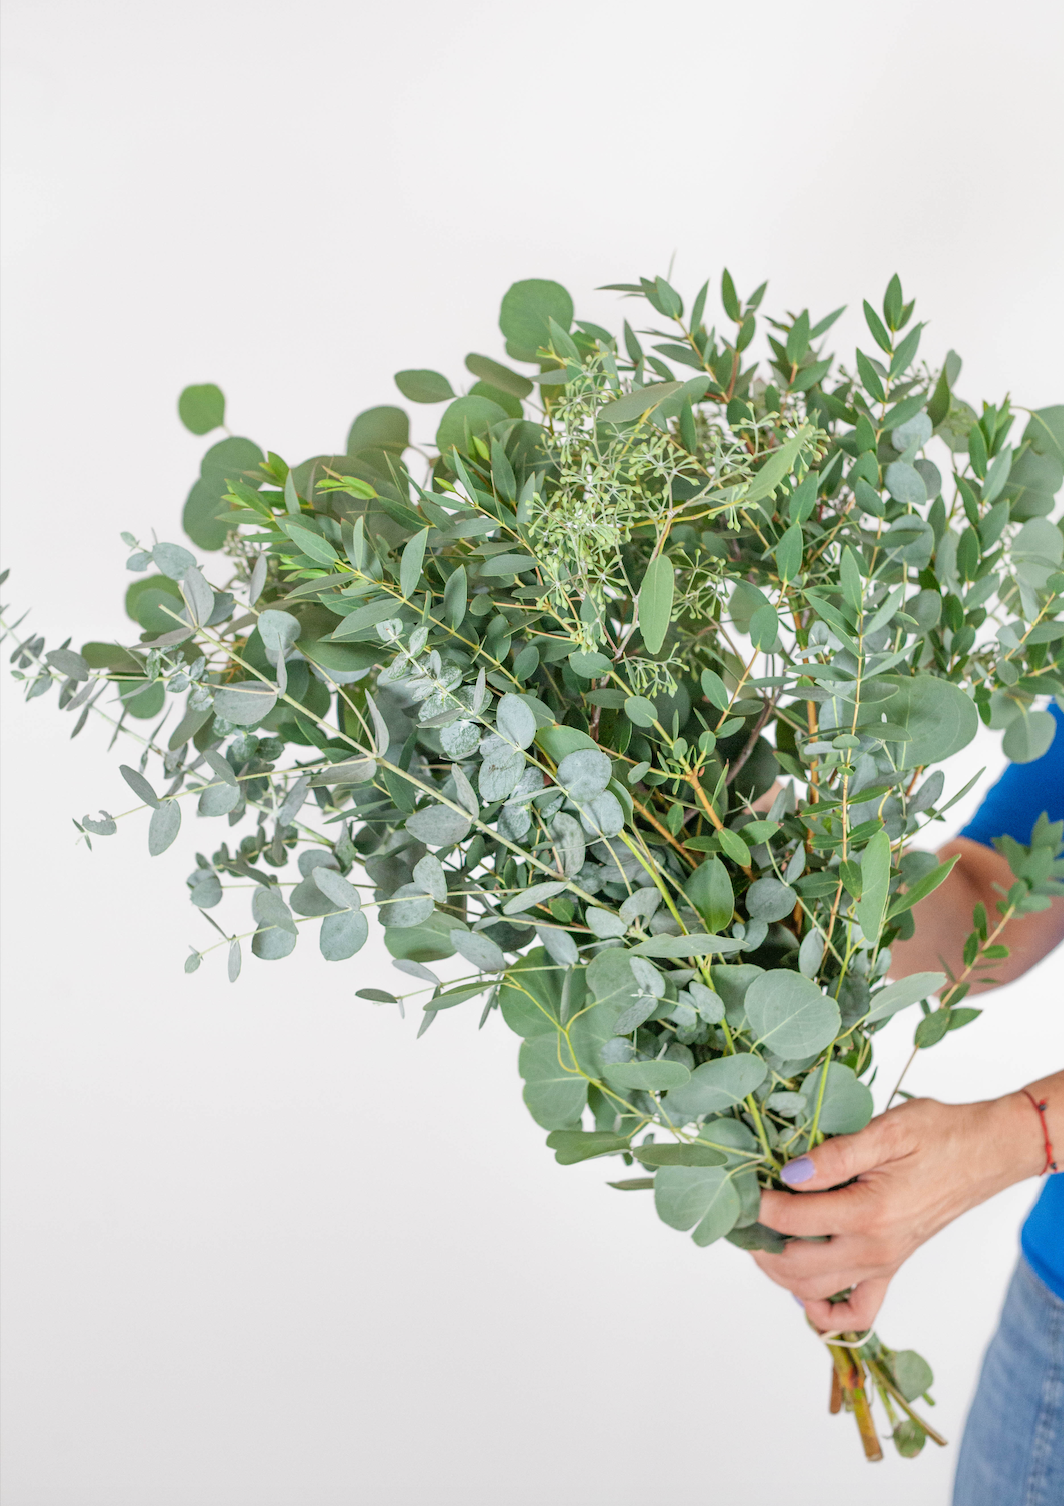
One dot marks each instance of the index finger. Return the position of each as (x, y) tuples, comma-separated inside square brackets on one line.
[(844, 1211)]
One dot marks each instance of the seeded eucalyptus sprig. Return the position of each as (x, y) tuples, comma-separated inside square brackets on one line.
[(624, 692)]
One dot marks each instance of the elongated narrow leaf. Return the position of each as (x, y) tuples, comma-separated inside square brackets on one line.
[(536, 894), (410, 565), (655, 603), (139, 785), (875, 884), (923, 887), (638, 403), (572, 1146), (906, 991)]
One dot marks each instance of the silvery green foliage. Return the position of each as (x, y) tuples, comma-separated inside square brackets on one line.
[(625, 704)]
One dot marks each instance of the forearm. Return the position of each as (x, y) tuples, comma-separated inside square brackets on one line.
[(943, 920)]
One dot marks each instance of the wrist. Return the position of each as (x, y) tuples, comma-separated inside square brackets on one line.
[(1022, 1136)]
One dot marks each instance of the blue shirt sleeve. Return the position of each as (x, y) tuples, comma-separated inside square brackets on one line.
[(1023, 792), (1010, 809)]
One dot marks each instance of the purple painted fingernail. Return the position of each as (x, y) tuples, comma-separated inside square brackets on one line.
[(797, 1172)]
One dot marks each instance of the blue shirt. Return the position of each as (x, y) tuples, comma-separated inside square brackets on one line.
[(1011, 808)]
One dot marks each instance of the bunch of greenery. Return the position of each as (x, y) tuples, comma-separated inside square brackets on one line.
[(628, 703)]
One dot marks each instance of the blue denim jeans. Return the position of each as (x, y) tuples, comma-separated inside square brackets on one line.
[(1012, 1452)]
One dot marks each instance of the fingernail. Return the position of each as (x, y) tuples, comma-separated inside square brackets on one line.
[(796, 1172)]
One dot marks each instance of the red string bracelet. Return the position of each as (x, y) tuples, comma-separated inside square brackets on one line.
[(1050, 1165)]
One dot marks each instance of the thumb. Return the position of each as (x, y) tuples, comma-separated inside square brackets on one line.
[(844, 1157)]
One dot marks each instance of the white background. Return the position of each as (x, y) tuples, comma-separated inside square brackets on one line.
[(263, 1249)]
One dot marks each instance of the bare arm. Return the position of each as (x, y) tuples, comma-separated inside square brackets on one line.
[(944, 919)]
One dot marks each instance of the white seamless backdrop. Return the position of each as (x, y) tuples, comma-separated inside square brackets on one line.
[(263, 1249)]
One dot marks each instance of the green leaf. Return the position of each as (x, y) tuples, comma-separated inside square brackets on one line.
[(790, 1015), (729, 297), (922, 888), (139, 785), (515, 722), (734, 847), (366, 617), (875, 885), (870, 378), (219, 799), (201, 408), (650, 1076), (637, 404), (336, 889), (764, 628), (199, 518), (430, 942), (508, 564), (770, 900), (455, 597), (527, 308), (554, 1094), (571, 1146), (408, 907), (940, 717), (485, 954), (906, 351), (905, 484), (584, 774), (789, 553), (775, 469), (704, 1197), (931, 1029), (847, 1103), (310, 542), (678, 1155), (912, 1374), (640, 711), (710, 891), (498, 376), (875, 324), (698, 945), (146, 598), (906, 991), (244, 703), (164, 826), (535, 894), (422, 386), (438, 826), (715, 1087), (655, 603), (531, 993), (590, 666), (1045, 431), (1028, 736), (342, 935), (410, 565), (465, 418), (383, 428)]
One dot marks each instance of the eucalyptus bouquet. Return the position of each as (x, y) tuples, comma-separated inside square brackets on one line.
[(622, 693)]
